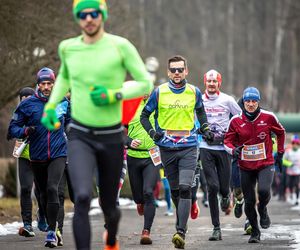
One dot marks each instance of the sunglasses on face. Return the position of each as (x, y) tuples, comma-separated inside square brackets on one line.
[(83, 15), (173, 70), (214, 81)]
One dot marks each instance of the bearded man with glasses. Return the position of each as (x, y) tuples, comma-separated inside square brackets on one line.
[(175, 104), (94, 67)]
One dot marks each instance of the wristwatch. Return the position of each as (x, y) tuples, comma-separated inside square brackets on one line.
[(119, 96)]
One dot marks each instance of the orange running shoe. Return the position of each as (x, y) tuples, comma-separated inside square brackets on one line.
[(140, 209), (114, 247), (195, 210)]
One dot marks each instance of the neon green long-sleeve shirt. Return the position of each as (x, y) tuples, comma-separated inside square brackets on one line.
[(103, 63)]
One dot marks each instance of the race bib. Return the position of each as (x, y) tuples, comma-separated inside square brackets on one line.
[(254, 152), (178, 133), (155, 155)]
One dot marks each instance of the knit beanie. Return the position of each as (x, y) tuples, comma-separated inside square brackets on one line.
[(251, 93), (79, 5), (45, 74)]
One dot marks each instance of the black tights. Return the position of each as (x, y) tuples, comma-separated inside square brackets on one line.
[(263, 178), (47, 177), (143, 176), (87, 152)]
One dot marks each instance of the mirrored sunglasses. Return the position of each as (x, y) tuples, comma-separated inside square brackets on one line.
[(83, 15), (173, 70)]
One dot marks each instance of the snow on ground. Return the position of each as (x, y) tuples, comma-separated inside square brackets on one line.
[(277, 231), (13, 228)]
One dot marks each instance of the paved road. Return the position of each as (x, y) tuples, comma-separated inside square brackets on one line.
[(282, 234)]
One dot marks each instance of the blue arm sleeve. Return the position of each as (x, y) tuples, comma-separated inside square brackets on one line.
[(152, 102), (199, 101)]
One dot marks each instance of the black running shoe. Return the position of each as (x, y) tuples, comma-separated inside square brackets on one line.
[(255, 236), (238, 208), (264, 221), (225, 203)]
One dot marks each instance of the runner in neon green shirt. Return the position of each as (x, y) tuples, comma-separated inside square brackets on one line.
[(94, 67)]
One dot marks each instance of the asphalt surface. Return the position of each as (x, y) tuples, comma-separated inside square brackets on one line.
[(281, 235)]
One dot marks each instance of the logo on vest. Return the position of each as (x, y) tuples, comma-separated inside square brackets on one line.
[(177, 105)]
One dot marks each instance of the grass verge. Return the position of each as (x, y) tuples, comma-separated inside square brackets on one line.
[(10, 209)]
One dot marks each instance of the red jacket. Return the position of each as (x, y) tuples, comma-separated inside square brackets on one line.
[(257, 135)]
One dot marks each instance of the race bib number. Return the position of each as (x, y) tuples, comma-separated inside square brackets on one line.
[(254, 152), (178, 133), (155, 155)]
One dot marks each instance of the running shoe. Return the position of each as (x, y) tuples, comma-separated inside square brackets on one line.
[(216, 235), (264, 221), (114, 247), (169, 212), (145, 238), (205, 203), (247, 227), (238, 208), (255, 237), (26, 231), (225, 203), (178, 240), (51, 239), (194, 210), (140, 209), (41, 222), (60, 242)]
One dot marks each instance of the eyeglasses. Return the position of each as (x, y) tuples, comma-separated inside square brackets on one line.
[(214, 81), (83, 15), (173, 70)]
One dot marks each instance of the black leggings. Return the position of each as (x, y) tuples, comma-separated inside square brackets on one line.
[(143, 177), (26, 183), (263, 178), (217, 168), (199, 179), (47, 177), (293, 181), (105, 154)]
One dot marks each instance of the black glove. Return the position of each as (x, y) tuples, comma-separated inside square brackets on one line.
[(29, 130), (278, 161), (208, 135), (156, 136), (237, 151)]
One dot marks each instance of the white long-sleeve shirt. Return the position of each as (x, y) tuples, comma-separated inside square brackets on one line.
[(294, 157), (219, 108)]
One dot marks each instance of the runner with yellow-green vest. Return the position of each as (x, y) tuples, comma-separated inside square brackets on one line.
[(143, 173), (93, 67), (176, 105)]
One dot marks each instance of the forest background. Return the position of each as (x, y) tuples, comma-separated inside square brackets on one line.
[(250, 42)]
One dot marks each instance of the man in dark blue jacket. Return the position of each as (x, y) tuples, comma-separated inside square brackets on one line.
[(48, 149)]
